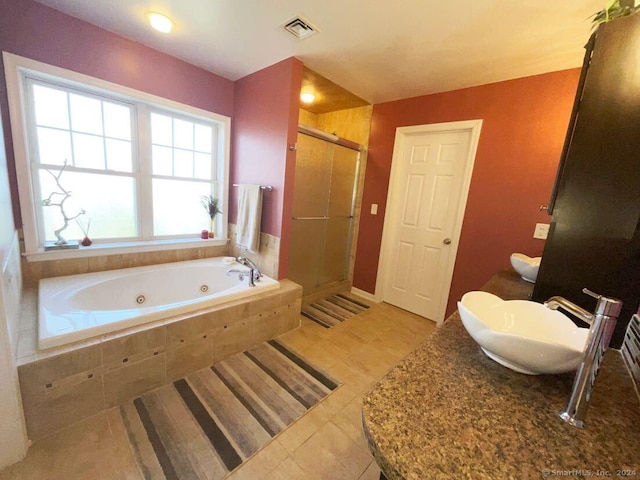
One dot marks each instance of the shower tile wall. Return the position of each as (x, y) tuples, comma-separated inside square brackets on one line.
[(353, 124)]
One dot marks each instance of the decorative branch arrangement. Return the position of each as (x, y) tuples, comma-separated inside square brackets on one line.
[(65, 194)]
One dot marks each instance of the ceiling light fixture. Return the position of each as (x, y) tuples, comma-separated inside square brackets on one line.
[(160, 22), (307, 97)]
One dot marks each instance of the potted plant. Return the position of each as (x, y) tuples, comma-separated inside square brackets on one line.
[(211, 205), (615, 9)]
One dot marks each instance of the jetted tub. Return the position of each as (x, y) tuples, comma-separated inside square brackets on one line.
[(83, 306)]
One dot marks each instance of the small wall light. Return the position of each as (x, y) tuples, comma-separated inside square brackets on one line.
[(160, 22), (307, 97)]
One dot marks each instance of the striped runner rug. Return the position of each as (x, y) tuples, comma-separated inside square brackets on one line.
[(334, 310), (205, 425)]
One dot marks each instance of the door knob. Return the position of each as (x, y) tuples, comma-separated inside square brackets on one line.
[(446, 241)]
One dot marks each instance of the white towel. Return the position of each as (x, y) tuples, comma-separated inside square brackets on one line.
[(249, 217)]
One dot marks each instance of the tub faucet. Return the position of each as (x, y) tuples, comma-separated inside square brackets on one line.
[(602, 322), (256, 274), (249, 273)]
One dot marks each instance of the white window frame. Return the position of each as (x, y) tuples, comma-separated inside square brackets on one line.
[(17, 70)]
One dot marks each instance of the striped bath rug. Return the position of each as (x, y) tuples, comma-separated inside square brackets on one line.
[(205, 425), (334, 309)]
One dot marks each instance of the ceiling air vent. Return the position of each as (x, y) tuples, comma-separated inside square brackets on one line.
[(300, 28)]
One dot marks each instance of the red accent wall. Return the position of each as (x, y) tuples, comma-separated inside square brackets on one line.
[(524, 125), (265, 123), (32, 30)]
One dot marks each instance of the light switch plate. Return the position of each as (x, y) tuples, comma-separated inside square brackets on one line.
[(374, 209), (541, 231)]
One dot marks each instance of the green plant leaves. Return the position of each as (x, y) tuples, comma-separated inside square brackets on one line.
[(615, 9), (210, 204)]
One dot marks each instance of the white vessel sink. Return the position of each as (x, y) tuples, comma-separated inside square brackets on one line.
[(527, 267), (522, 335)]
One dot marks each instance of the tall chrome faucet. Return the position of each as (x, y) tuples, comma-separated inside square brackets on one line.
[(602, 322), (256, 274)]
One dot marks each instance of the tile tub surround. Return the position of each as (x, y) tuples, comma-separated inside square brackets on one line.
[(268, 257), (34, 271), (63, 385), (448, 411), (79, 307)]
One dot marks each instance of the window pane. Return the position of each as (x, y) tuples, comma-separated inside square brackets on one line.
[(177, 209), (54, 146), (51, 107), (117, 121), (108, 201), (183, 166), (183, 134), (202, 166), (88, 151), (203, 139), (161, 130), (162, 160), (86, 114), (119, 155)]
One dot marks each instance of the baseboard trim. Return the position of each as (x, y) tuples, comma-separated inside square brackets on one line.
[(363, 294)]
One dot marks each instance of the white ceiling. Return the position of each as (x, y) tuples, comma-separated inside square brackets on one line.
[(380, 50)]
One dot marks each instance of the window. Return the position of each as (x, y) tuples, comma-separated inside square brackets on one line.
[(136, 165), (182, 154), (92, 139)]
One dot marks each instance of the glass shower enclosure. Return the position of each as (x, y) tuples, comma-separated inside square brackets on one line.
[(325, 184)]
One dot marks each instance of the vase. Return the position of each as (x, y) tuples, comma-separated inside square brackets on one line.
[(86, 242)]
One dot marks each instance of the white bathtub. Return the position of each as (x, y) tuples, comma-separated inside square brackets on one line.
[(79, 307)]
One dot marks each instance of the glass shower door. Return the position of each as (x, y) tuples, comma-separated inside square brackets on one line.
[(337, 248), (322, 212)]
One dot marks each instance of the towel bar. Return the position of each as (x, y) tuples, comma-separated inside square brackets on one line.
[(268, 188)]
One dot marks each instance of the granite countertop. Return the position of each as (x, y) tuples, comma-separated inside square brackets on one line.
[(448, 411)]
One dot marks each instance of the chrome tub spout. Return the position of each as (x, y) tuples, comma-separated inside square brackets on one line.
[(250, 274), (256, 274)]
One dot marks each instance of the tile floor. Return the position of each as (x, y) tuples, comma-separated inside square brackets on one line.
[(326, 443)]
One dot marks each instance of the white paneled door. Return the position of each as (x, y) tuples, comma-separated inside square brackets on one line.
[(430, 177)]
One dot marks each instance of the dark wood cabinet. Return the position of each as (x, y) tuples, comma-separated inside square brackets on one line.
[(594, 239)]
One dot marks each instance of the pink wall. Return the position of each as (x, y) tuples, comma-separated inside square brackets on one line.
[(524, 125), (521, 139), (265, 123), (263, 106), (32, 30)]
